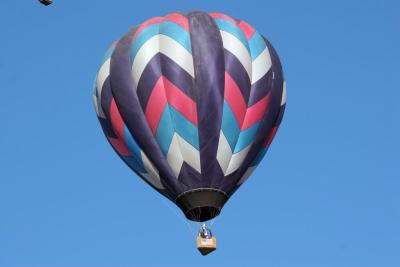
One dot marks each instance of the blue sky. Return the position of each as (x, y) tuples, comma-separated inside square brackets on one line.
[(326, 195)]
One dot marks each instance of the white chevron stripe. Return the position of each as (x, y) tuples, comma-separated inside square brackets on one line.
[(261, 65), (102, 75), (246, 175), (229, 162), (224, 152), (96, 106), (236, 47), (181, 151), (165, 45), (190, 154), (283, 101), (152, 175), (237, 160), (174, 156)]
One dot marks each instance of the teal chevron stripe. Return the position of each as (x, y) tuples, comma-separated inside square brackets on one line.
[(135, 163), (172, 121), (259, 157), (144, 35), (176, 32), (131, 143), (230, 126), (165, 131), (237, 139), (228, 26), (109, 52), (167, 28), (186, 129), (257, 45), (246, 137), (136, 160)]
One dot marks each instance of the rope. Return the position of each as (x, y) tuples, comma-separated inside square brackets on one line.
[(213, 221), (192, 233)]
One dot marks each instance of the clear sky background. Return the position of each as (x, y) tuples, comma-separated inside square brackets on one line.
[(326, 195)]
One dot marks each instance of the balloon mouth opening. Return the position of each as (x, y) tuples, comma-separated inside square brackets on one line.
[(201, 204)]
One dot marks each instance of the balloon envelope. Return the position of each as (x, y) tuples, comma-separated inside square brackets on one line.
[(191, 102), (46, 2)]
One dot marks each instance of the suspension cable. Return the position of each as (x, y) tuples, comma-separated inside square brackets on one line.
[(185, 221)]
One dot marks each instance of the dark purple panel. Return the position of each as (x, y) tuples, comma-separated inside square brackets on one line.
[(161, 64), (280, 116), (208, 55), (106, 97), (238, 74), (261, 88), (128, 104), (268, 122), (190, 177)]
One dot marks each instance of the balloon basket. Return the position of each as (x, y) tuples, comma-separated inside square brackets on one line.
[(206, 245)]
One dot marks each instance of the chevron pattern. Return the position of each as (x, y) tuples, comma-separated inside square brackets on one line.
[(118, 135), (191, 101), (267, 140), (101, 77), (245, 102), (130, 151), (159, 45), (239, 126)]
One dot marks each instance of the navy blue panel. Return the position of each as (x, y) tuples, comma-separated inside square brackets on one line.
[(161, 64), (107, 128), (268, 123), (280, 116), (208, 55), (190, 177), (261, 88), (123, 90), (106, 98), (238, 74)]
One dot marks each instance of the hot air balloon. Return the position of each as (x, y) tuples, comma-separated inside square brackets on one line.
[(46, 2), (191, 102)]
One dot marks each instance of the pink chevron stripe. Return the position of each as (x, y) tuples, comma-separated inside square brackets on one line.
[(222, 16), (166, 92), (247, 29), (156, 105), (174, 17), (270, 137), (120, 146), (145, 24), (255, 113), (245, 116), (178, 19), (234, 97), (118, 126), (181, 102)]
